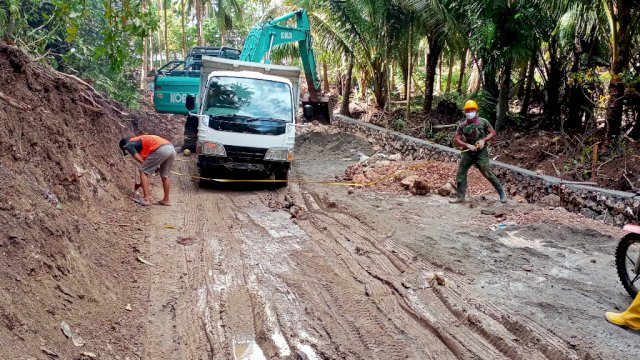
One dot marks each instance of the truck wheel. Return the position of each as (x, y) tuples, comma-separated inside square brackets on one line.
[(190, 133), (205, 173), (281, 175)]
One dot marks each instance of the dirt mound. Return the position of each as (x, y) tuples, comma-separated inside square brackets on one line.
[(69, 241), (385, 173), (327, 142)]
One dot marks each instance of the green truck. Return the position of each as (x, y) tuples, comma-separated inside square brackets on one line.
[(177, 79)]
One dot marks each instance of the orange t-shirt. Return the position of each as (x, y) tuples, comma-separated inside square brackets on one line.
[(150, 143)]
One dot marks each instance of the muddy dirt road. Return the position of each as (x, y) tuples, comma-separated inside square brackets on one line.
[(312, 272)]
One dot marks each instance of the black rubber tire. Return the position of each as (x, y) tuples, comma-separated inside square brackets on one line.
[(190, 133), (621, 253), (281, 175), (205, 184)]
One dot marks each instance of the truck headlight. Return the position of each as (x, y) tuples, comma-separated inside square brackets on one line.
[(213, 149), (279, 154)]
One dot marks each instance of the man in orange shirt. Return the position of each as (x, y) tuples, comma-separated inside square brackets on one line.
[(154, 154)]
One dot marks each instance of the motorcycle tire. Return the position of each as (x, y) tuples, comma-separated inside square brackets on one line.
[(621, 264)]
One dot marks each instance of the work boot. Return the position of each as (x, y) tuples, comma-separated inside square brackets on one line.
[(457, 200), (629, 318), (503, 197), (461, 189)]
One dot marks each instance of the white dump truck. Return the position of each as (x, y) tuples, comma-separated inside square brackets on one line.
[(246, 115)]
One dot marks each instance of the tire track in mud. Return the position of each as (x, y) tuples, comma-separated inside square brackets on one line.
[(497, 330), (259, 284)]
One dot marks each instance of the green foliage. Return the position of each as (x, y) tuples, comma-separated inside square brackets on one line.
[(453, 96), (443, 137), (399, 124)]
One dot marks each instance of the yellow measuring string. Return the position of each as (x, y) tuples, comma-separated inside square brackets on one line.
[(337, 183)]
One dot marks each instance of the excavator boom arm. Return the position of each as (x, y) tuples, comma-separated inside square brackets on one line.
[(264, 37)]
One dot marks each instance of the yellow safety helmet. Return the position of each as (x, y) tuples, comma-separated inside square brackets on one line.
[(470, 104)]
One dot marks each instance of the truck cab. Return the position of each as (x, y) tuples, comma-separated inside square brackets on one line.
[(246, 118)]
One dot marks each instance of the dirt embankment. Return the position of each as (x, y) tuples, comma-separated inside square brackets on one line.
[(69, 242)]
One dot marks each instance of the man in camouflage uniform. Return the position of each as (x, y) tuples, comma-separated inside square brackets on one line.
[(472, 136)]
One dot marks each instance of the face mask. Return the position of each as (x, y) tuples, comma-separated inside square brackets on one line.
[(470, 115)]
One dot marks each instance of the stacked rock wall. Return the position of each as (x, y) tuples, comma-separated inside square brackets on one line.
[(616, 207)]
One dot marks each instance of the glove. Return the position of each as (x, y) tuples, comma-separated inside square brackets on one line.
[(470, 147), (480, 144)]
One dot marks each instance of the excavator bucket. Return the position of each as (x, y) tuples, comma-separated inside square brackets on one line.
[(322, 109)]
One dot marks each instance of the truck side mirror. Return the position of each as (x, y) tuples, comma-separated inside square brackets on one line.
[(190, 103), (307, 112)]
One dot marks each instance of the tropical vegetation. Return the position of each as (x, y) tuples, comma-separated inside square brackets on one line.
[(565, 65)]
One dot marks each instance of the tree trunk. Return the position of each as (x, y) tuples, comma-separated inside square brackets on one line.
[(363, 86), (522, 80), (392, 80), (159, 49), (463, 67), (346, 92), (144, 69), (615, 103), (435, 48), (325, 76), (440, 73), (554, 79), (524, 109), (379, 84), (491, 93), (144, 66), (503, 98), (408, 82), (450, 74), (199, 22), (635, 132), (475, 78), (166, 36), (575, 93), (151, 53), (184, 32), (620, 17)]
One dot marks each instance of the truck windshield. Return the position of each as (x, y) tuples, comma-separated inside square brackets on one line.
[(244, 97)]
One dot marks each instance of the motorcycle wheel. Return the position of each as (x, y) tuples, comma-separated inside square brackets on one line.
[(627, 255)]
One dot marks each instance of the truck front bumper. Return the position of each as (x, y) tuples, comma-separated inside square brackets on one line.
[(211, 162)]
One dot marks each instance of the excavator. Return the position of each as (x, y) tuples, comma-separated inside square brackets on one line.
[(171, 91)]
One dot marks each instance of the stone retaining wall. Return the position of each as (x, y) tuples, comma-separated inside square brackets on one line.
[(615, 207)]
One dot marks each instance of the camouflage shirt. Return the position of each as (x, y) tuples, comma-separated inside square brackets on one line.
[(474, 130)]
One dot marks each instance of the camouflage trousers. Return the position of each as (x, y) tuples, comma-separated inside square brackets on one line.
[(479, 159)]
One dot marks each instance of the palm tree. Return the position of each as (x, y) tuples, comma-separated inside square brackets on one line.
[(615, 17), (441, 22), (372, 28), (225, 13)]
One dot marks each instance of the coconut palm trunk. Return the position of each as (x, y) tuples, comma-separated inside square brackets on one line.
[(199, 12), (524, 109), (503, 98), (346, 92), (435, 48), (463, 68), (184, 32), (450, 74)]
